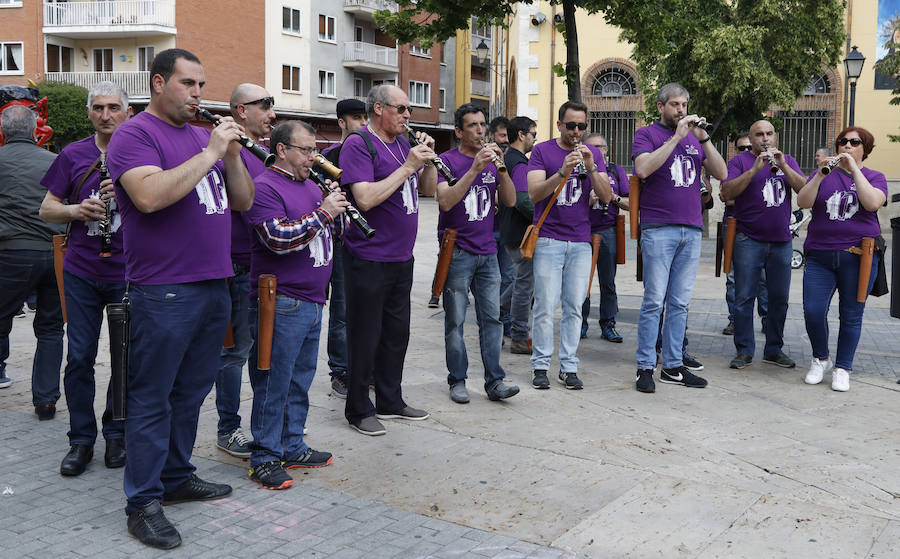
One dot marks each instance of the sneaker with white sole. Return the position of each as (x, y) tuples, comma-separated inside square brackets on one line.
[(840, 380), (817, 370), (235, 443)]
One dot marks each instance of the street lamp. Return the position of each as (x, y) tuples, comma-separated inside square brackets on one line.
[(853, 65), (482, 51)]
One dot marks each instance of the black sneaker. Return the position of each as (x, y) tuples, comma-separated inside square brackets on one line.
[(540, 380), (609, 333), (644, 381), (339, 384), (728, 330), (683, 376), (309, 459), (196, 489), (270, 475), (570, 381), (781, 360), (688, 361), (151, 527), (740, 361)]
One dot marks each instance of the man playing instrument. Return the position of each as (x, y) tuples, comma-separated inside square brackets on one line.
[(760, 182), (383, 175), (175, 184), (468, 207), (77, 195)]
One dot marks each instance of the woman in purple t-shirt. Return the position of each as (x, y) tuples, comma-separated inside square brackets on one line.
[(844, 205)]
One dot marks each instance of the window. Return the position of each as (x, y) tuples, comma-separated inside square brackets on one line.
[(326, 84), (358, 34), (614, 82), (358, 88), (290, 20), (420, 94), (145, 58), (11, 58), (59, 59), (416, 50), (290, 78), (443, 99), (326, 28), (383, 82), (103, 60), (10, 3)]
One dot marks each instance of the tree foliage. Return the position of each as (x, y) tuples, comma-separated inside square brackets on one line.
[(66, 112), (890, 64)]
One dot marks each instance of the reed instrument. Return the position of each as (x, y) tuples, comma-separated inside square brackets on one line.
[(437, 161), (358, 220), (831, 165), (267, 158), (496, 159), (329, 167), (773, 167), (580, 168), (105, 224)]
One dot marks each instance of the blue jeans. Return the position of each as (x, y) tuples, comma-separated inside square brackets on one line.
[(507, 275), (481, 272), (606, 277), (281, 394), (337, 314), (561, 272), (670, 254), (828, 271), (231, 360), (754, 260), (762, 296), (176, 336), (22, 273), (521, 293), (85, 301)]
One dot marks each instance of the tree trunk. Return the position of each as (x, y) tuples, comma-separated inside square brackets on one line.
[(573, 68)]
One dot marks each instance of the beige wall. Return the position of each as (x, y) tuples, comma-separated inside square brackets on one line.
[(283, 48)]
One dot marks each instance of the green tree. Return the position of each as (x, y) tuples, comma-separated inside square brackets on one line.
[(890, 64), (66, 112)]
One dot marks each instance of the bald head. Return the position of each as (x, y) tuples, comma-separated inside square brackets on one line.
[(246, 92), (253, 108), (762, 135)]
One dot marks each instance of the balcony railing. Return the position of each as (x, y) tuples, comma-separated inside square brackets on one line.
[(356, 51), (371, 4), (481, 87), (135, 84), (110, 13)]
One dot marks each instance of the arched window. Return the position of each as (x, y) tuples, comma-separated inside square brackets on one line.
[(614, 82), (610, 91), (811, 122), (817, 86)]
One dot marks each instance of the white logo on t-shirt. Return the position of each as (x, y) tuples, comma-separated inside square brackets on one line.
[(320, 248), (410, 192), (212, 194), (773, 193), (683, 171), (477, 202), (93, 227), (571, 194), (842, 206)]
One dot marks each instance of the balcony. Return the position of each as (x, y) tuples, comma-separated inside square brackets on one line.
[(135, 84), (481, 87), (109, 19), (369, 58), (365, 9)]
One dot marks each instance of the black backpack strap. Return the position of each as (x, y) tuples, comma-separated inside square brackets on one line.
[(370, 147)]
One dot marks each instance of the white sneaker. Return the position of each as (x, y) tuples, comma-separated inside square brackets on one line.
[(817, 371), (840, 380)]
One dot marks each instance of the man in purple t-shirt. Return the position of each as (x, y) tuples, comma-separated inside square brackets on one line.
[(76, 195), (382, 175), (253, 108), (667, 157), (172, 191), (562, 255), (467, 207), (760, 183), (292, 242)]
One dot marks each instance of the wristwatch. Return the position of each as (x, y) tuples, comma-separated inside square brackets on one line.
[(704, 140), (617, 199)]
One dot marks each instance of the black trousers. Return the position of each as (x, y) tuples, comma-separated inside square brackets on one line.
[(377, 295)]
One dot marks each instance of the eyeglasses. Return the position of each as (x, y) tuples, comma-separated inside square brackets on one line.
[(303, 150), (400, 108), (266, 102), (573, 125), (744, 148), (852, 141)]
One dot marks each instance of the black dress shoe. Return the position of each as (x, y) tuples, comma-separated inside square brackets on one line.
[(151, 527), (195, 489), (76, 460), (45, 411), (115, 453)]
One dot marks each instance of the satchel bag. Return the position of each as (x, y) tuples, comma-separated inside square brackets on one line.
[(529, 239)]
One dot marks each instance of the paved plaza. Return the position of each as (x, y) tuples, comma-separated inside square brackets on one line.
[(757, 464)]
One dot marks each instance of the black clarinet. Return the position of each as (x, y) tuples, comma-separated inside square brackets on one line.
[(352, 212), (437, 161), (105, 225), (267, 158)]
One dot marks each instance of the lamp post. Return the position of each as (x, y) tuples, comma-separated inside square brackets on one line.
[(482, 51), (853, 66)]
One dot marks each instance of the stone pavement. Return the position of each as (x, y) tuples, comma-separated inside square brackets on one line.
[(756, 465)]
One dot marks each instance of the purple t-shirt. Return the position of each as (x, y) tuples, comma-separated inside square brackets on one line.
[(671, 194), (396, 220), (301, 274), (763, 209), (569, 218), (241, 239), (473, 216), (838, 219), (601, 220), (188, 241), (83, 254)]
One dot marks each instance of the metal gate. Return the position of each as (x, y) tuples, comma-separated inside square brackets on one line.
[(618, 128), (804, 132)]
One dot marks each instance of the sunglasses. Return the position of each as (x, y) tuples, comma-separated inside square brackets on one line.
[(744, 148), (852, 141), (574, 125), (266, 102), (400, 108)]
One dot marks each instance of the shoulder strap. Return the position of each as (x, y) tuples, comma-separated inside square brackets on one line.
[(551, 202), (77, 191), (370, 147)]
